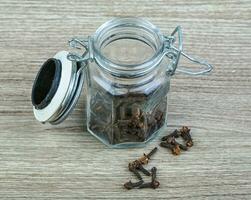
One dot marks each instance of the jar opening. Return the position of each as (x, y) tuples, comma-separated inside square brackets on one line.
[(128, 47), (128, 51)]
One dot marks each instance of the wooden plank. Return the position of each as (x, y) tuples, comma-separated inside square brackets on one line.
[(65, 162)]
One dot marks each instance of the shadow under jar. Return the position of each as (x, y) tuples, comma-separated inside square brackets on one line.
[(127, 65)]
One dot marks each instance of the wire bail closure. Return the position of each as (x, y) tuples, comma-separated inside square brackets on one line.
[(174, 54), (80, 43)]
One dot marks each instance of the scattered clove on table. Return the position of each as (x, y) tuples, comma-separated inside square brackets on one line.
[(129, 185), (137, 166), (185, 134), (174, 134), (170, 142), (154, 183), (174, 147)]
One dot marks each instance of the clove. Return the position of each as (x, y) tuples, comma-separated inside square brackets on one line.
[(174, 134), (142, 160), (144, 171), (130, 185), (136, 173), (172, 145), (172, 140), (137, 165), (185, 134), (154, 173), (154, 183)]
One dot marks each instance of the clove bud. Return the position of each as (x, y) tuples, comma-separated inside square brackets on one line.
[(185, 134), (130, 185)]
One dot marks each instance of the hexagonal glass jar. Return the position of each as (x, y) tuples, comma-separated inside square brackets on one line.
[(128, 84)]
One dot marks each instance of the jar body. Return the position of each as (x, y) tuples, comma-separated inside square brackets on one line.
[(124, 112)]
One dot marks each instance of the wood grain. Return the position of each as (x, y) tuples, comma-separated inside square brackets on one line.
[(65, 162)]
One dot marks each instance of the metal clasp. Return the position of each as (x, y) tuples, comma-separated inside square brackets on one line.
[(80, 43), (174, 53)]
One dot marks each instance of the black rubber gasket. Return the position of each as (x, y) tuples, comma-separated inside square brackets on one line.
[(46, 83)]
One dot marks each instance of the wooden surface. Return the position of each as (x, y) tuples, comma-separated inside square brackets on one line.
[(65, 162)]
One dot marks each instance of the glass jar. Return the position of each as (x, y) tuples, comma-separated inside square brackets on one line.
[(127, 65)]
